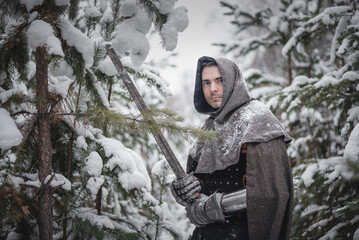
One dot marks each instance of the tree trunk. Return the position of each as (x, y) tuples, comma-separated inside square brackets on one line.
[(290, 77), (99, 201), (44, 144)]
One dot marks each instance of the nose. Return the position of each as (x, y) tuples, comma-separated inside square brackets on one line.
[(214, 87)]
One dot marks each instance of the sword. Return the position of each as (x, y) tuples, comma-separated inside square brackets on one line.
[(160, 139)]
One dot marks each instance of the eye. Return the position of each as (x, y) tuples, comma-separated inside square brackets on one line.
[(204, 83)]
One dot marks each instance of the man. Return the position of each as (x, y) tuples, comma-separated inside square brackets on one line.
[(240, 186)]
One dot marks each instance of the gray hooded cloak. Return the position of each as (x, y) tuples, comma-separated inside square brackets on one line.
[(240, 120)]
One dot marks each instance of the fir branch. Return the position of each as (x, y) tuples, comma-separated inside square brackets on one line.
[(14, 49), (165, 119), (99, 54)]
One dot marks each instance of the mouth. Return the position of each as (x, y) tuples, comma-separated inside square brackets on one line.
[(215, 98)]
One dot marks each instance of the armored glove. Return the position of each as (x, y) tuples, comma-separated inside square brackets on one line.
[(214, 208), (186, 190), (206, 209)]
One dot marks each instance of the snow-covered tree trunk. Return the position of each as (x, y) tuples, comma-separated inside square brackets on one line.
[(44, 144)]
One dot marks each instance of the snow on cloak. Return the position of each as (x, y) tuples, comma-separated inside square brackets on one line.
[(239, 120)]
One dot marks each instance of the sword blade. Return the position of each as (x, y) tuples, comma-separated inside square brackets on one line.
[(160, 139)]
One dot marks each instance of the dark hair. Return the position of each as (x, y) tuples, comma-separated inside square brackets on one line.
[(209, 64)]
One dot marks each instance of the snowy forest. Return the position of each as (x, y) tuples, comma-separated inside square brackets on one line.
[(77, 158)]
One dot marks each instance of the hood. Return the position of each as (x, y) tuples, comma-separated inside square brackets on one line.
[(239, 120), (235, 91)]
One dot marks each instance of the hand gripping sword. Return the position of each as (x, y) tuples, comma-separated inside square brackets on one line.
[(160, 139)]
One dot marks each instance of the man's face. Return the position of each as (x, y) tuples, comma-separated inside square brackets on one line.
[(212, 86)]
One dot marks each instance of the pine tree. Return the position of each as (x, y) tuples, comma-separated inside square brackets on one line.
[(318, 104)]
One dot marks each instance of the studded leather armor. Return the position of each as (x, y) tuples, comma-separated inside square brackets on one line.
[(227, 180)]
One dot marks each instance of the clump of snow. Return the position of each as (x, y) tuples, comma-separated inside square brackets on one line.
[(300, 80), (312, 209), (292, 41), (177, 21), (59, 180), (107, 16), (92, 12), (62, 69), (337, 166), (160, 168), (342, 24), (308, 174), (9, 133), (94, 184), (74, 37), (274, 23), (30, 4), (128, 8), (53, 46), (356, 234), (332, 233), (81, 142), (60, 85), (351, 151), (102, 94), (40, 33), (134, 41), (132, 180), (18, 89), (325, 81), (353, 115), (106, 66), (321, 223), (33, 16), (350, 75), (33, 180), (165, 6), (343, 47), (94, 164), (133, 173)]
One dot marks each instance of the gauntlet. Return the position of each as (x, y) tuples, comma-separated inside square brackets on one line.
[(214, 208), (186, 190)]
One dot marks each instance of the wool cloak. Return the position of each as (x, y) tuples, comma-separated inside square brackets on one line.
[(239, 120)]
